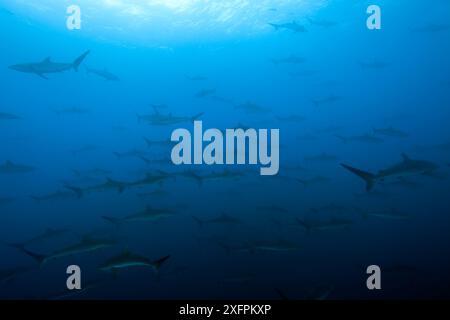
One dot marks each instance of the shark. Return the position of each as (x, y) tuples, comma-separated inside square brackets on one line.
[(407, 167), (390, 132), (13, 168), (127, 259), (47, 66), (158, 143), (149, 214), (159, 119), (109, 184), (250, 107), (292, 26), (150, 178), (103, 73), (8, 116), (55, 196), (87, 244), (277, 246), (223, 219), (7, 275)]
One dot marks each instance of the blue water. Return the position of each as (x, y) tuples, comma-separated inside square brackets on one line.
[(153, 49)]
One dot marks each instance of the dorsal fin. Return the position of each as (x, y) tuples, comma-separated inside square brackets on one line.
[(48, 59), (405, 157), (8, 163)]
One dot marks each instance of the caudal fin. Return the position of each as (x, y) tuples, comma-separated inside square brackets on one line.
[(78, 191), (368, 177), (115, 221), (78, 60), (304, 224), (197, 116), (157, 263), (40, 258), (198, 179), (200, 222), (275, 26)]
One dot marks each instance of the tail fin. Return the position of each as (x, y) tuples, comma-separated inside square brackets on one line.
[(19, 246), (157, 263), (78, 60), (115, 221), (147, 161), (275, 26), (304, 224), (200, 222), (281, 294), (147, 141), (197, 178), (118, 155), (78, 191), (40, 258), (366, 176), (197, 116)]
